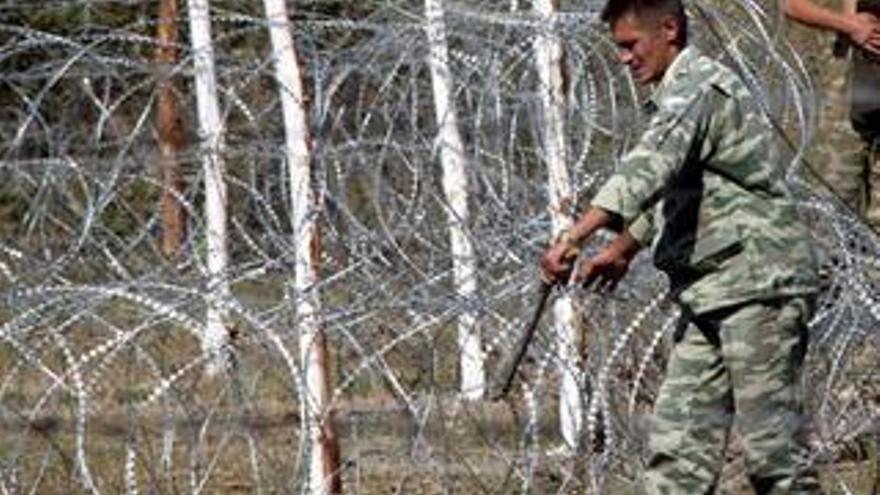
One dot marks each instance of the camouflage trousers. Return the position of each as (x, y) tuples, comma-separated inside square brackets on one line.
[(738, 366), (856, 180)]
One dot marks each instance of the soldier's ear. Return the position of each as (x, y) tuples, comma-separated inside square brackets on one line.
[(670, 28)]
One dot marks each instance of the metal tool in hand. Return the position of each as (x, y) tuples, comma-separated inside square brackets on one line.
[(506, 372), (503, 380)]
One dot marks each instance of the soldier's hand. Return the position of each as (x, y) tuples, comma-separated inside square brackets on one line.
[(558, 261), (604, 271), (864, 32)]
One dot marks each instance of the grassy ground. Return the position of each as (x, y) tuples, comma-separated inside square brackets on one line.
[(383, 452)]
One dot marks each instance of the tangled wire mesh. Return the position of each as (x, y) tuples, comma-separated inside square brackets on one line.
[(102, 383)]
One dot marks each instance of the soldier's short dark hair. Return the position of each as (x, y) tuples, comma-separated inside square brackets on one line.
[(615, 9)]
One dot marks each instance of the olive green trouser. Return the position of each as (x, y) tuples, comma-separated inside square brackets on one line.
[(740, 364)]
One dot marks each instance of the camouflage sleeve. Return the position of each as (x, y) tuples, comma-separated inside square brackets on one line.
[(642, 229), (660, 152)]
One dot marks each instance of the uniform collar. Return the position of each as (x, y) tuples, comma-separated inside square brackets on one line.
[(678, 66)]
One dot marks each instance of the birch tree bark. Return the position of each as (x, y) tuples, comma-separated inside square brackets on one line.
[(322, 439), (170, 131), (548, 55), (455, 189), (215, 337)]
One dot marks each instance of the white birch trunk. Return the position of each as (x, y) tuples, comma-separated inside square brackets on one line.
[(215, 337), (455, 189), (323, 476), (548, 54)]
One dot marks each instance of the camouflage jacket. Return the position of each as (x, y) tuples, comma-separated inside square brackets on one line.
[(705, 182)]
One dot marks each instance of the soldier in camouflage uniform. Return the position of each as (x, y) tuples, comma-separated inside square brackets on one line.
[(855, 181), (703, 185)]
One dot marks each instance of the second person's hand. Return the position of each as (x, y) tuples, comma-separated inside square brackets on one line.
[(864, 32)]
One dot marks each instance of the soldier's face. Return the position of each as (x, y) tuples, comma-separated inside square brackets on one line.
[(646, 44)]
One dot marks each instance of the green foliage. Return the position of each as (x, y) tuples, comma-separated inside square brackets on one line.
[(126, 216)]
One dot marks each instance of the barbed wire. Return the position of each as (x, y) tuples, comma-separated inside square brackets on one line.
[(102, 383)]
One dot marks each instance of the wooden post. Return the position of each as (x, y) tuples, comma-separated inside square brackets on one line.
[(170, 129)]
